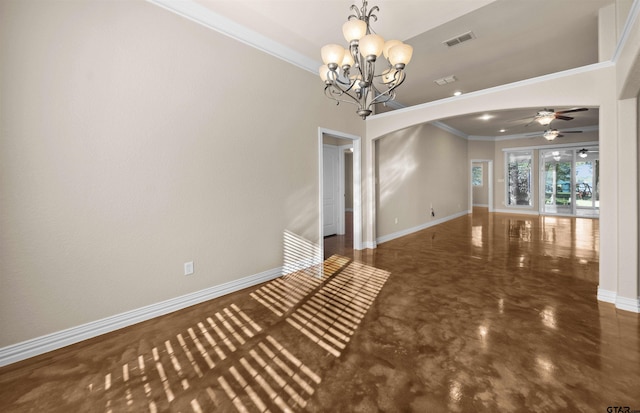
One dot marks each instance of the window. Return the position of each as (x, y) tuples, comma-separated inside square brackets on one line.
[(476, 175), (519, 178)]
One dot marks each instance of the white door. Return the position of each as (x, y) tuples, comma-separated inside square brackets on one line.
[(330, 190)]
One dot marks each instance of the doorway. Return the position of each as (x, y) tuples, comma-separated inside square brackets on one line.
[(340, 193), (571, 181), (481, 184)]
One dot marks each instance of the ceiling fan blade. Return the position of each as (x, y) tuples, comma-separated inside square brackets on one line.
[(563, 117), (572, 110), (559, 135), (571, 131)]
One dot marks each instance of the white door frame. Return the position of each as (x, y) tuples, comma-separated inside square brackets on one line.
[(357, 186), (489, 181), (341, 186)]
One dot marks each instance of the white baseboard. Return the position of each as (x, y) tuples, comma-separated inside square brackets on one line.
[(622, 303), (481, 205), (59, 339), (628, 304), (606, 296), (369, 245), (298, 265), (402, 233)]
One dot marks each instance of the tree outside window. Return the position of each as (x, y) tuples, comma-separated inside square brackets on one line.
[(519, 178), (476, 175)]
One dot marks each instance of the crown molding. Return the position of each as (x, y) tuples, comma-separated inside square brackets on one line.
[(212, 20), (449, 129)]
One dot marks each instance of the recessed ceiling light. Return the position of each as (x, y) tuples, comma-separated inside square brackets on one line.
[(457, 93), (486, 116), (503, 130)]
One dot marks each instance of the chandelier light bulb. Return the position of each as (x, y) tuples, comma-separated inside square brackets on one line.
[(332, 53), (354, 30), (388, 45), (371, 45), (324, 70), (348, 59), (400, 54)]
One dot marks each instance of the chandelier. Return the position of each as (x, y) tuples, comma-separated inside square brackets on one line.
[(349, 74)]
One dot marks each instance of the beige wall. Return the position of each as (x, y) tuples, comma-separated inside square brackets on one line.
[(127, 149), (480, 193), (481, 149), (419, 167)]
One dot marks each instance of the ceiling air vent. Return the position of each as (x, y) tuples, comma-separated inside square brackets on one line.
[(445, 80), (459, 39)]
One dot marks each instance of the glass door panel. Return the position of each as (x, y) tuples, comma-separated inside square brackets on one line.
[(587, 179), (558, 184)]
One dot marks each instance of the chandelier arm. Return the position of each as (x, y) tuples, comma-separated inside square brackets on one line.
[(398, 79), (370, 69), (357, 58), (384, 97), (331, 90), (370, 15), (357, 14), (330, 94), (339, 84)]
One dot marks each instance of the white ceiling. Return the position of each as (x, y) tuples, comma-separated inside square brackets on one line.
[(516, 40)]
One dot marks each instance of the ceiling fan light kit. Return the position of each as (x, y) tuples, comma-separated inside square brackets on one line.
[(349, 74), (544, 117)]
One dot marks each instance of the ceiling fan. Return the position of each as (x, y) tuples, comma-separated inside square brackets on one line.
[(545, 116), (584, 152), (551, 134)]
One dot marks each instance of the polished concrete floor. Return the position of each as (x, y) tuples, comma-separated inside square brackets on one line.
[(341, 244), (485, 313)]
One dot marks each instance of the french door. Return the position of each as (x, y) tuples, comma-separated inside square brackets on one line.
[(570, 179)]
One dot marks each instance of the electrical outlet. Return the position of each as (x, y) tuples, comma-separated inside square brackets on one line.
[(188, 268)]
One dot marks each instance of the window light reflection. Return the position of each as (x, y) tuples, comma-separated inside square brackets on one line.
[(476, 236), (548, 317)]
